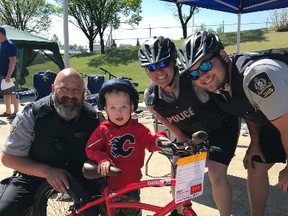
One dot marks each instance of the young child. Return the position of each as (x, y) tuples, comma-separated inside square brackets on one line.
[(121, 141)]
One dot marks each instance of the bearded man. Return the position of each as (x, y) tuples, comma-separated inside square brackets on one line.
[(47, 142)]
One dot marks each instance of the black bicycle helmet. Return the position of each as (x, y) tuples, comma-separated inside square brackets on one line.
[(155, 50), (119, 84), (195, 47)]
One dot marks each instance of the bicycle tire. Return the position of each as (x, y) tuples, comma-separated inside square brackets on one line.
[(47, 204)]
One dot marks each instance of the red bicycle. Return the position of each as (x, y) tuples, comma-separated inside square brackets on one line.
[(79, 203)]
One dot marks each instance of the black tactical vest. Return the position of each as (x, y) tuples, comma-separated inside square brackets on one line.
[(60, 143), (239, 104), (187, 113)]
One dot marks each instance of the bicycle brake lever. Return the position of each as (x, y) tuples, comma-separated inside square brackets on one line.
[(214, 148)]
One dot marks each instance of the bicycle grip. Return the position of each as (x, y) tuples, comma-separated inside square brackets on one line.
[(199, 137), (90, 170)]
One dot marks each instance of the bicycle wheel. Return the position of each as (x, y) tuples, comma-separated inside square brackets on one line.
[(49, 202)]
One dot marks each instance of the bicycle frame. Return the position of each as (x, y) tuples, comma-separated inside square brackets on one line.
[(158, 210), (90, 169)]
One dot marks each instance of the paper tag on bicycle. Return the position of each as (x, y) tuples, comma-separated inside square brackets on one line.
[(190, 177)]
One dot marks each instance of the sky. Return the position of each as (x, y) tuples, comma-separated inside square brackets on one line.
[(158, 16)]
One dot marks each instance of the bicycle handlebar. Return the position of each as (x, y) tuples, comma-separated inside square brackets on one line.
[(198, 143), (197, 138)]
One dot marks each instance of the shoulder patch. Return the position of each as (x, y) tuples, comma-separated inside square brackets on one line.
[(262, 85)]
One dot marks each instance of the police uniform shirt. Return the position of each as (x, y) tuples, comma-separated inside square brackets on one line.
[(21, 135), (266, 85)]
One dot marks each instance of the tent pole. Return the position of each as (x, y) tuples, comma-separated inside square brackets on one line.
[(66, 31), (238, 32)]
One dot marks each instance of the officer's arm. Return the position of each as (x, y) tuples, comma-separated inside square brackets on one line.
[(265, 85), (25, 164), (282, 125)]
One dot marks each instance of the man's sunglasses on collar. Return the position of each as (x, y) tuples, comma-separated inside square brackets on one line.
[(205, 67), (162, 64)]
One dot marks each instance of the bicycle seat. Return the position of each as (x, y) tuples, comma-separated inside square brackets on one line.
[(90, 170)]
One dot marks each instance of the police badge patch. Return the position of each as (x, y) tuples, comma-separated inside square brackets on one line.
[(262, 85)]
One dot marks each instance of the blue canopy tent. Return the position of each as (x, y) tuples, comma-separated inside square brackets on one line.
[(236, 6)]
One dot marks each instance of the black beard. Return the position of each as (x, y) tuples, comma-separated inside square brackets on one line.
[(67, 108)]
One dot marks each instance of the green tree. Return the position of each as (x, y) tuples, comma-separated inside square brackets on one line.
[(114, 45), (185, 18), (110, 12), (94, 16), (81, 49), (279, 20), (28, 15), (55, 39), (80, 15)]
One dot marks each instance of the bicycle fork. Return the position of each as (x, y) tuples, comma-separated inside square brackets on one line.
[(188, 211)]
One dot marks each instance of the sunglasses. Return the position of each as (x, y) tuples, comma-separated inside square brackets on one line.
[(204, 67), (162, 64)]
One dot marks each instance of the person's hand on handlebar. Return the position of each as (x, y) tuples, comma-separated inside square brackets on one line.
[(283, 179), (104, 167), (163, 142), (197, 138)]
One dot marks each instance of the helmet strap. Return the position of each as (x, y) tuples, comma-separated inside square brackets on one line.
[(226, 65), (173, 78)]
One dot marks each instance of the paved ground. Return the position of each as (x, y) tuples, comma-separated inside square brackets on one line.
[(203, 205)]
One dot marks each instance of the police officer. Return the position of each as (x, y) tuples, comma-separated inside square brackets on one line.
[(184, 109), (47, 142), (250, 85)]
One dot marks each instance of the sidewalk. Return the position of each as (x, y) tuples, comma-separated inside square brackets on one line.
[(204, 205)]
